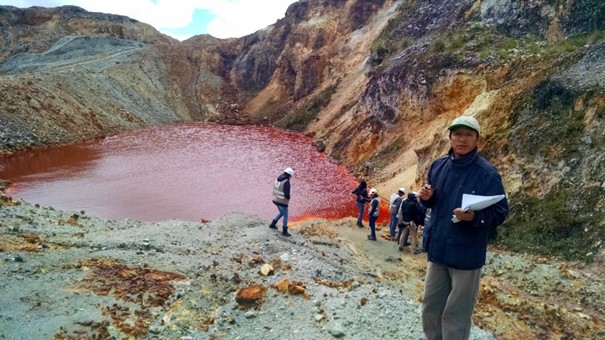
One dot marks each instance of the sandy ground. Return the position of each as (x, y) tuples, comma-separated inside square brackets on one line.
[(67, 275)]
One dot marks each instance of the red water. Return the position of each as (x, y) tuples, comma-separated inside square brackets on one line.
[(188, 171)]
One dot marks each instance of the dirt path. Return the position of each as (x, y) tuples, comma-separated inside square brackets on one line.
[(66, 274), (521, 296), (383, 256)]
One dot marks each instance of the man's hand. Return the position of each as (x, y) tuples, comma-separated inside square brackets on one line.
[(464, 216), (426, 192)]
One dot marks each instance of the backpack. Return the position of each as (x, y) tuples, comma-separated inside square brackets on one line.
[(407, 211)]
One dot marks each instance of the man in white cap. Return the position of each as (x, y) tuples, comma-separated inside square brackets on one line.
[(373, 213), (456, 251), (281, 198)]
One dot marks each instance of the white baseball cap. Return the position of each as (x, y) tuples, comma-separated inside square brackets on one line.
[(467, 121), (289, 171)]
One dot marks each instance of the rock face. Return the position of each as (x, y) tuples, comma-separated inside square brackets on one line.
[(68, 75), (376, 82)]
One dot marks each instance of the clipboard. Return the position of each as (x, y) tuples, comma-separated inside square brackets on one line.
[(476, 203)]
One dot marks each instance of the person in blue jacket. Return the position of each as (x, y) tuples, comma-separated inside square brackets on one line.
[(457, 251), (407, 211), (361, 198)]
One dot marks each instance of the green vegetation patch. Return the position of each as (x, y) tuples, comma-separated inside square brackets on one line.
[(475, 39), (385, 46), (563, 223), (387, 154), (484, 42), (301, 117), (550, 125), (268, 113), (572, 43)]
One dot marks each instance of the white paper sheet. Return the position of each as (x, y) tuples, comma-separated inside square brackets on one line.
[(476, 203)]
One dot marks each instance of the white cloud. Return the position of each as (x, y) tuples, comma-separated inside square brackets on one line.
[(241, 17), (232, 18)]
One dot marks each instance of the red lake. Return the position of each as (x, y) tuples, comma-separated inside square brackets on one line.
[(185, 171)]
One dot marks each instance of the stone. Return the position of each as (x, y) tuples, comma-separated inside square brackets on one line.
[(250, 295), (282, 286), (266, 270), (337, 331)]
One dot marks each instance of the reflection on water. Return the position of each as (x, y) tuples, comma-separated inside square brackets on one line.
[(187, 171), (53, 162)]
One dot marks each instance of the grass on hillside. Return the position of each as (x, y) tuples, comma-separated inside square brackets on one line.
[(387, 154), (568, 221), (477, 40), (298, 119), (555, 226)]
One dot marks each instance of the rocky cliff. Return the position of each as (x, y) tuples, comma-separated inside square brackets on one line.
[(376, 82)]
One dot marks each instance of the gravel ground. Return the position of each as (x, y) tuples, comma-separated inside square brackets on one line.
[(68, 275)]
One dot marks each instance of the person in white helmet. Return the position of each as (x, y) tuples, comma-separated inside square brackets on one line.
[(373, 213), (394, 203), (281, 198)]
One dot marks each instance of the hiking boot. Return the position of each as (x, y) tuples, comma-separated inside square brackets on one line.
[(273, 224), (286, 234), (371, 238), (361, 226)]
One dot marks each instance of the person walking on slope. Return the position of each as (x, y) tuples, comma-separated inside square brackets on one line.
[(281, 198), (395, 202), (457, 250), (373, 213), (361, 198)]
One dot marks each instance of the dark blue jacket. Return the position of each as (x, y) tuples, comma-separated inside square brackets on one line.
[(420, 214), (409, 209), (462, 245), (362, 194)]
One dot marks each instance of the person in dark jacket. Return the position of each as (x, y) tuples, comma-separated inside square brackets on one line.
[(281, 198), (361, 198), (373, 213), (418, 222), (457, 250), (408, 216)]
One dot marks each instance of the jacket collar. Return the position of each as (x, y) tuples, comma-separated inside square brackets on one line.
[(464, 160)]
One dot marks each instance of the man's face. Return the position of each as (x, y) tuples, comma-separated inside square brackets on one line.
[(463, 140)]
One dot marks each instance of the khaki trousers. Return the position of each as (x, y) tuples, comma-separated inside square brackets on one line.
[(449, 300), (409, 232)]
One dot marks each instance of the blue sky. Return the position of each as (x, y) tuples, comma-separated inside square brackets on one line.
[(182, 19)]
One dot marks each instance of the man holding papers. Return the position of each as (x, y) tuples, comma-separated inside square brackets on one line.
[(457, 243)]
